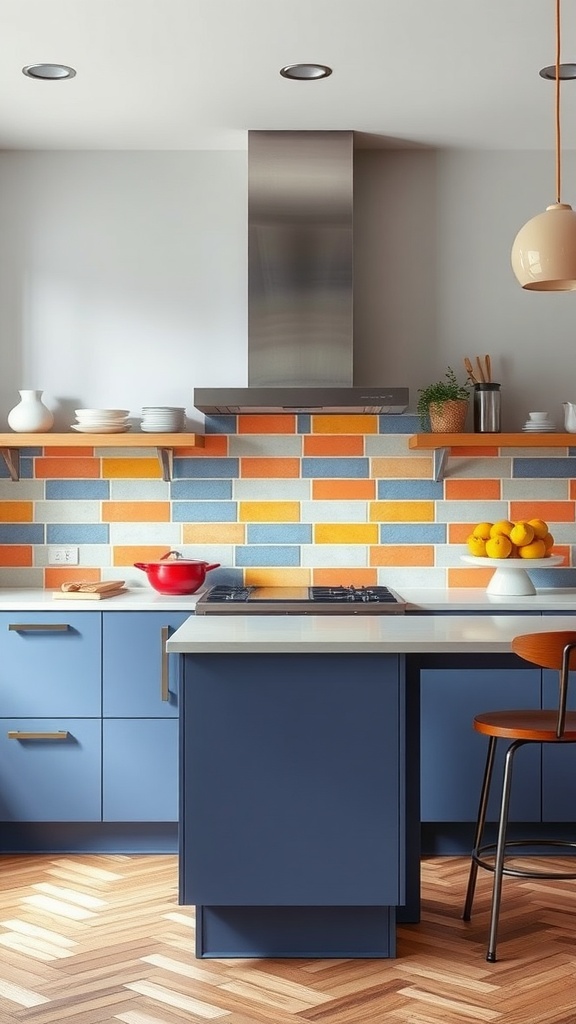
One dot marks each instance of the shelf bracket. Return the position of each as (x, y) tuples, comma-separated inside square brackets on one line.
[(166, 459), (440, 462), (11, 457)]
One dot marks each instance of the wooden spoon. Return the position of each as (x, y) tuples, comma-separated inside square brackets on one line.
[(469, 370), (488, 369), (480, 370)]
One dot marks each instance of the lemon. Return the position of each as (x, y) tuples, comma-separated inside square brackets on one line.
[(476, 545), (499, 546), (540, 527), (548, 542), (482, 530), (522, 533), (537, 549), (503, 526)]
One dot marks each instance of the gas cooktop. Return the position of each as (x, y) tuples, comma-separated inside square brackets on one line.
[(230, 600)]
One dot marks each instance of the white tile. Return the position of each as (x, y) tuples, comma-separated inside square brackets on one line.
[(334, 512), (391, 576), (67, 512), (264, 445), (475, 468), (159, 534), (139, 490), (326, 556), (271, 490), (389, 444), (471, 511)]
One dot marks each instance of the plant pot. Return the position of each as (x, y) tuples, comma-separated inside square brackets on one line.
[(448, 417)]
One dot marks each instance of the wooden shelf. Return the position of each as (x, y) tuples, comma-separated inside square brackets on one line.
[(441, 444), (11, 444)]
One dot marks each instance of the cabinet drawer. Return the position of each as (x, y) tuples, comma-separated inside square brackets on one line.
[(50, 769), (140, 775), (140, 679), (50, 664)]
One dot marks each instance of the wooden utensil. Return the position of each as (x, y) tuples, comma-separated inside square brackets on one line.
[(480, 370), (488, 365), (469, 370)]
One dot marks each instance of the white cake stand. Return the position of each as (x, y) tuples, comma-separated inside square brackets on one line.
[(510, 577)]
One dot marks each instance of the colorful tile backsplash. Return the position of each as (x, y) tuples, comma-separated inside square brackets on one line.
[(282, 499)]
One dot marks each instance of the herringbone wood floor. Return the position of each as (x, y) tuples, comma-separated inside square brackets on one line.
[(102, 940)]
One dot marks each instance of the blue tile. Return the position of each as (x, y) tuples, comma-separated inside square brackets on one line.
[(279, 533), (268, 555), (389, 489), (220, 425), (335, 468), (303, 423), (552, 577), (195, 489), (543, 467), (77, 533), (26, 466), (21, 533), (190, 469), (78, 489), (412, 533), (204, 512), (399, 424)]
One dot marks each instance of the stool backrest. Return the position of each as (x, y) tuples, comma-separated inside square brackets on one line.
[(556, 650)]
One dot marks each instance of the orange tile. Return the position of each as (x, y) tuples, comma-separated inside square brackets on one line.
[(564, 550), (345, 533), (402, 554), (135, 511), (345, 577), (281, 423), (269, 468), (213, 533), (67, 468), (269, 511), (127, 554), (338, 424), (53, 578), (131, 469), (469, 577), (549, 511), (15, 554), (255, 577), (71, 452), (572, 490), (475, 453), (401, 512), (458, 533), (333, 444), (344, 490), (419, 467), (16, 511), (214, 444), (474, 490)]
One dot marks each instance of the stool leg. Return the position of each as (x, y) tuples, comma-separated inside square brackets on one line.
[(500, 850), (480, 822)]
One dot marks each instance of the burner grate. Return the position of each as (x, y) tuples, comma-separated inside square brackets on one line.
[(353, 595)]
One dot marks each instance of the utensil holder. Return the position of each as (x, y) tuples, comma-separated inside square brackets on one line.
[(487, 409)]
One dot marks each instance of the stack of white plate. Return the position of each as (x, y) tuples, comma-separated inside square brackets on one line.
[(163, 419), (540, 426), (101, 421)]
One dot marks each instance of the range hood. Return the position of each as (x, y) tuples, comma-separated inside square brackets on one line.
[(300, 276)]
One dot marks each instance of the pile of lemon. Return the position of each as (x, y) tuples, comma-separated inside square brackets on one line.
[(525, 539)]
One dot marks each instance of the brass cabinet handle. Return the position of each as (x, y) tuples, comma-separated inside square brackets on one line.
[(39, 627), (164, 691), (15, 734)]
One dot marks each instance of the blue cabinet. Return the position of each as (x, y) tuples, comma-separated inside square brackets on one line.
[(139, 679), (140, 769), (453, 690)]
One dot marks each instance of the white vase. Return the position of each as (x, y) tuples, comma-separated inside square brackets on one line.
[(30, 416)]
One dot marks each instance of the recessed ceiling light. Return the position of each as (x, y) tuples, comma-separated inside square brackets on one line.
[(567, 71), (305, 72), (48, 72)]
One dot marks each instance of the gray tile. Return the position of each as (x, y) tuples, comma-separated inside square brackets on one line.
[(271, 490), (479, 468), (392, 445), (535, 490), (139, 490), (466, 511), (328, 556), (67, 511), (265, 445), (334, 512), (21, 490)]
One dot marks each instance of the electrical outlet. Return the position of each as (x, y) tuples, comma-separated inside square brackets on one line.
[(62, 556)]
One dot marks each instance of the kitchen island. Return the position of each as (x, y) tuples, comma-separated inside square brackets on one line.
[(299, 786)]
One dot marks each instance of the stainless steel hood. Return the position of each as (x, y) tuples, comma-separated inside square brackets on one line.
[(300, 277)]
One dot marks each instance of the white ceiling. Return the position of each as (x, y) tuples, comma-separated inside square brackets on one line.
[(197, 74)]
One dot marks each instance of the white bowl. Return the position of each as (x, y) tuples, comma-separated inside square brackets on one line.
[(101, 414)]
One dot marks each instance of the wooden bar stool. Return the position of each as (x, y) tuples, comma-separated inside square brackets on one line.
[(555, 650)]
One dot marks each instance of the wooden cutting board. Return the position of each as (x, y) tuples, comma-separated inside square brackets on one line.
[(80, 595)]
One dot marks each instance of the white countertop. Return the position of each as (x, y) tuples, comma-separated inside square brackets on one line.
[(460, 599), (137, 599), (357, 634)]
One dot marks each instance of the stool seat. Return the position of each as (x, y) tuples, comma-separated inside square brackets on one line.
[(551, 650), (539, 726)]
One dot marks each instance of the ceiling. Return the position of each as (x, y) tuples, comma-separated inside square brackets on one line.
[(197, 74)]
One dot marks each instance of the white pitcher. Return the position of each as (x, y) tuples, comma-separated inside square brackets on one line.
[(570, 417)]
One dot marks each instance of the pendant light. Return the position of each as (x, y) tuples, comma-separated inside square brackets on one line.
[(544, 250)]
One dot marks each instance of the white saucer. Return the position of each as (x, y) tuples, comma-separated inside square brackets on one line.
[(106, 429)]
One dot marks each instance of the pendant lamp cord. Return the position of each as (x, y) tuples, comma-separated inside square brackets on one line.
[(557, 102)]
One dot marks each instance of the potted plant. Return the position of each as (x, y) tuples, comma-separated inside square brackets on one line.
[(443, 406)]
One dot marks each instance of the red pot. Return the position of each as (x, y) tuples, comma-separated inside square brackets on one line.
[(174, 574)]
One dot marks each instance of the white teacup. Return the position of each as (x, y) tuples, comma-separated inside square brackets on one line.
[(538, 417)]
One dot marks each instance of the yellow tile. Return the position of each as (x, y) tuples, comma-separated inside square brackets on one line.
[(16, 512), (401, 511), (213, 533), (254, 577), (345, 533), (419, 467), (269, 511), (126, 469), (345, 424)]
